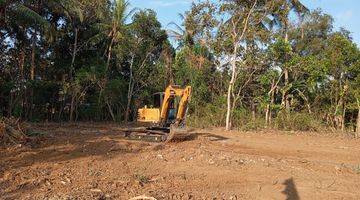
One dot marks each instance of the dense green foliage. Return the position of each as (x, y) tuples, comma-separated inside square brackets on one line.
[(98, 60)]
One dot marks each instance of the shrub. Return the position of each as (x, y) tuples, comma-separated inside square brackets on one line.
[(209, 115), (297, 122)]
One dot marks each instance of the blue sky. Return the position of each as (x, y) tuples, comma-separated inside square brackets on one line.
[(345, 12)]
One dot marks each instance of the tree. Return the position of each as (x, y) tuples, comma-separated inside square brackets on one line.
[(281, 19), (141, 50), (114, 29), (342, 58)]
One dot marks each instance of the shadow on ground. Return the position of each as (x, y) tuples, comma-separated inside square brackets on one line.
[(68, 143), (210, 136), (290, 190)]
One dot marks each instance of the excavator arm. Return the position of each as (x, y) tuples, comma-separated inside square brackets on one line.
[(170, 93)]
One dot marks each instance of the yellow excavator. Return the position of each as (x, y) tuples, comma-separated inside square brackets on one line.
[(166, 118)]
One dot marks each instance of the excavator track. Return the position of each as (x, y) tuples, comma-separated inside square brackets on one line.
[(155, 134)]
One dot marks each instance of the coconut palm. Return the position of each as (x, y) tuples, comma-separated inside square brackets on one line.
[(282, 11), (115, 27), (183, 35), (15, 13), (281, 20)]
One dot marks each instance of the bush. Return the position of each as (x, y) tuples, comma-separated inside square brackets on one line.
[(297, 122), (214, 115), (209, 115)]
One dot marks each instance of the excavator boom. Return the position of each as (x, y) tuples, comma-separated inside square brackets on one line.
[(170, 93)]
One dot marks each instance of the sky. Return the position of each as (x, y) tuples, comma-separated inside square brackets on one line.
[(345, 12)]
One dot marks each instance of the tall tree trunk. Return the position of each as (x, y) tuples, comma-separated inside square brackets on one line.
[(75, 49), (230, 89), (62, 99), (111, 111), (130, 90), (168, 63), (72, 108), (340, 109), (286, 93), (236, 39), (109, 54), (21, 94), (268, 115), (33, 49), (32, 77), (10, 108), (285, 97), (21, 63), (253, 110), (307, 103), (71, 75), (343, 125), (129, 99)]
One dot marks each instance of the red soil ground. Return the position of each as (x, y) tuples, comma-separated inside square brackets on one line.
[(95, 162)]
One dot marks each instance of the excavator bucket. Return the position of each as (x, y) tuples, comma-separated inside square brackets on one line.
[(178, 134)]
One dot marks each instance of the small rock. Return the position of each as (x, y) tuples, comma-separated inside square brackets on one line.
[(275, 182), (96, 190), (304, 161), (337, 168), (211, 162)]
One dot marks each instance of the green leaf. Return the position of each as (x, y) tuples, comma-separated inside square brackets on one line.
[(29, 15)]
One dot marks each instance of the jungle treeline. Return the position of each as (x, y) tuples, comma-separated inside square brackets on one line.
[(251, 63)]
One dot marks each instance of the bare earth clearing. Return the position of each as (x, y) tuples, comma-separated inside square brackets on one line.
[(95, 162)]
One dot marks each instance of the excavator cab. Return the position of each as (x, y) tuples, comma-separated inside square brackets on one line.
[(158, 102)]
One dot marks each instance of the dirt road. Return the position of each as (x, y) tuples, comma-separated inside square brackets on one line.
[(95, 162)]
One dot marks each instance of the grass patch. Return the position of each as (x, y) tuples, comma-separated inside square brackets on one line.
[(143, 179)]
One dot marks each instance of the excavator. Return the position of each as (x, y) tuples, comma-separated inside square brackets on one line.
[(165, 119)]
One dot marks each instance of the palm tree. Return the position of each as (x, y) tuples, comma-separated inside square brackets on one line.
[(21, 19), (282, 13), (184, 36), (198, 53), (15, 13), (281, 20), (74, 13), (115, 27)]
